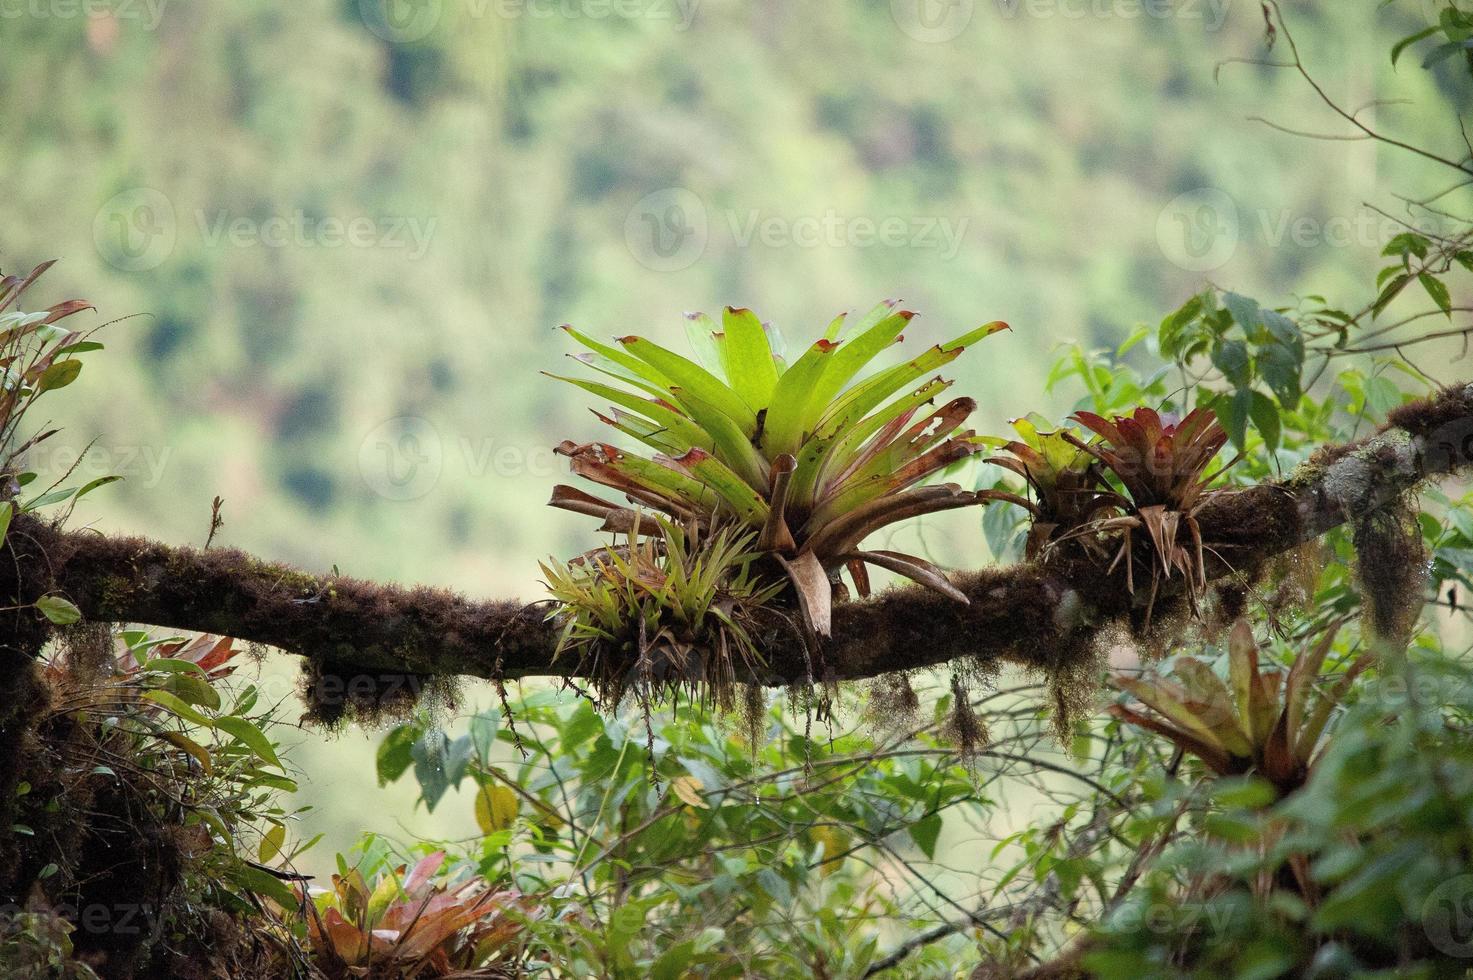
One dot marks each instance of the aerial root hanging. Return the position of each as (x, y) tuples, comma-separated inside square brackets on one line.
[(1391, 568), (335, 694)]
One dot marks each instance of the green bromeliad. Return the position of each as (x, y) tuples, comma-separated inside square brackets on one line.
[(813, 456)]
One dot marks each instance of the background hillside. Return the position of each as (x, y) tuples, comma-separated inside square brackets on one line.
[(348, 230)]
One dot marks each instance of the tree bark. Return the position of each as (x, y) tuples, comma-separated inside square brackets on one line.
[(1038, 613)]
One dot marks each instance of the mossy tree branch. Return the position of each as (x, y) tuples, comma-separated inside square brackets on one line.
[(1039, 614)]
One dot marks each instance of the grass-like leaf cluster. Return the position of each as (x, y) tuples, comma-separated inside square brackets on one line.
[(664, 612)]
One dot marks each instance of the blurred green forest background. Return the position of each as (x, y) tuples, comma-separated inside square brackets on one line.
[(348, 229)]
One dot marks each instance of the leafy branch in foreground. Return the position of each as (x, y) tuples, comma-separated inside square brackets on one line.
[(813, 456), (37, 355)]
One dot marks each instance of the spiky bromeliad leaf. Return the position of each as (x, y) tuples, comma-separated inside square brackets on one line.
[(1162, 467), (1261, 722), (1067, 487), (813, 455)]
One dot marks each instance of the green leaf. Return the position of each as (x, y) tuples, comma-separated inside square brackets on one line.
[(674, 962), (925, 833), (192, 748), (1282, 328), (1393, 288), (1404, 43), (1244, 310), (701, 334), (1407, 243), (1265, 415), (732, 443), (783, 424), (678, 426), (271, 843), (744, 502), (633, 369), (251, 736), (1438, 291), (260, 777), (1231, 358), (1281, 370), (169, 665), (1233, 411), (868, 394), (1382, 395), (193, 689), (7, 511), (850, 359), (59, 375), (839, 440), (691, 377), (101, 481), (262, 883), (80, 347), (47, 499), (58, 610), (177, 707), (747, 358), (1002, 527), (1172, 335)]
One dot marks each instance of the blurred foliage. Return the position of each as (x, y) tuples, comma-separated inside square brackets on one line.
[(699, 848), (519, 143)]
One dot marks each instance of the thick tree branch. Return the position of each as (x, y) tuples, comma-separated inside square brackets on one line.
[(1040, 614)]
